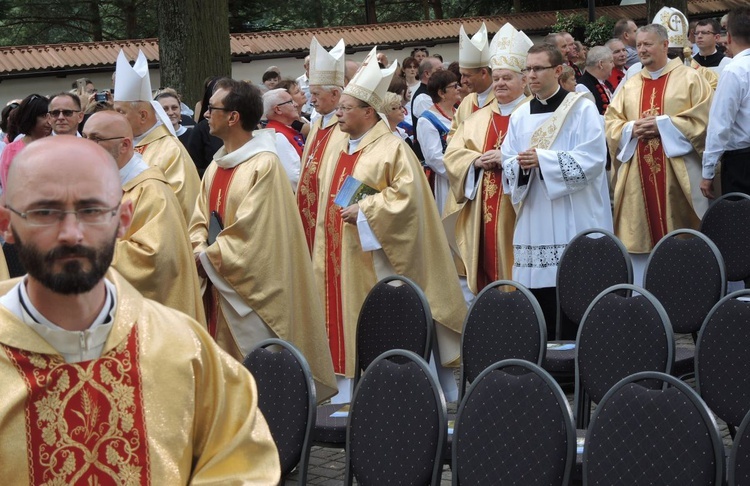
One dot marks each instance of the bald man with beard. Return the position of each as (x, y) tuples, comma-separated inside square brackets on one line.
[(101, 385), (155, 249)]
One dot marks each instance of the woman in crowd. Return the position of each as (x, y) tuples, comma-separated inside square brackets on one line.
[(170, 101), (409, 68), (30, 119), (433, 127)]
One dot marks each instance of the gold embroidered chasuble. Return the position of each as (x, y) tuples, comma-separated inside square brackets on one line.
[(314, 155), (468, 105), (162, 405), (155, 254), (404, 219), (470, 217), (4, 275), (686, 99), (165, 151), (262, 254)]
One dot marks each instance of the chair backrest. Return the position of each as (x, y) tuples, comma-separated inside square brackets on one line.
[(395, 315), (514, 426), (501, 325), (286, 396), (722, 362), (738, 468), (685, 271), (726, 223), (619, 336), (594, 260), (641, 435), (397, 423)]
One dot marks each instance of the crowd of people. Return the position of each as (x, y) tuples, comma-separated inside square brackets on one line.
[(271, 209)]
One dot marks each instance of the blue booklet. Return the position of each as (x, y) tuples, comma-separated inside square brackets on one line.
[(352, 191)]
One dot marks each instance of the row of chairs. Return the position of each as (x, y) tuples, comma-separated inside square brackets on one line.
[(513, 427)]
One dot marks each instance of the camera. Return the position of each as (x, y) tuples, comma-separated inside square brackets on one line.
[(101, 97)]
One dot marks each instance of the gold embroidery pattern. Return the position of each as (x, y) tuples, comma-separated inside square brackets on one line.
[(652, 146), (490, 189), (85, 421)]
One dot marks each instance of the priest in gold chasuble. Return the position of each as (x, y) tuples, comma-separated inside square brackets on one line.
[(397, 230), (247, 237), (656, 129)]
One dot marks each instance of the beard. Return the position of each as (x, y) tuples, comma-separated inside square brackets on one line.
[(73, 278)]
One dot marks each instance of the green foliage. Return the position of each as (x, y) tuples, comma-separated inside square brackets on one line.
[(568, 23), (599, 31)]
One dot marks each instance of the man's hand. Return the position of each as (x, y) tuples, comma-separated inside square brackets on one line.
[(528, 159), (349, 215), (489, 160), (707, 188), (646, 128)]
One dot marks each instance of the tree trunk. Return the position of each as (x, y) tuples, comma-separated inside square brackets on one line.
[(516, 6), (653, 6), (370, 15), (317, 6), (193, 44), (96, 21), (437, 7)]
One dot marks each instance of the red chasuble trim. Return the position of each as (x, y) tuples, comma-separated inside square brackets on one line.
[(651, 160), (492, 193), (85, 421), (307, 193), (333, 226), (141, 148), (217, 201)]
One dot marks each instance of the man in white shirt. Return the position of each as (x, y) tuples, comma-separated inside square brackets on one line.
[(728, 133)]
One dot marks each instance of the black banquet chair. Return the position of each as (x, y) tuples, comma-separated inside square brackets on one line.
[(738, 468), (514, 427), (594, 260), (722, 364), (685, 271), (395, 315), (663, 435), (286, 397), (397, 424), (727, 224), (501, 325)]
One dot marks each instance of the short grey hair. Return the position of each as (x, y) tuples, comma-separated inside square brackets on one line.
[(596, 54), (271, 98), (609, 43), (657, 29)]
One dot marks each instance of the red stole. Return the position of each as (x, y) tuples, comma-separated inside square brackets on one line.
[(85, 421), (492, 193), (651, 160), (307, 192), (294, 137), (217, 201), (141, 148), (333, 230)]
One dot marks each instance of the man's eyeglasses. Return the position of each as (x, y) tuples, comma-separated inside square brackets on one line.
[(347, 109), (49, 217), (537, 69), (705, 33), (212, 108), (98, 140), (65, 113), (285, 103)]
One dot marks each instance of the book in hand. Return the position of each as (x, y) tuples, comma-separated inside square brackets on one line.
[(352, 191), (214, 227)]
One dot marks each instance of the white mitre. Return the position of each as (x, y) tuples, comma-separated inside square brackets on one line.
[(676, 24), (370, 83), (327, 67), (475, 52), (508, 49), (132, 83)]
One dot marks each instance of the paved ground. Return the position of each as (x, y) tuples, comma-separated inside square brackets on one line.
[(327, 465)]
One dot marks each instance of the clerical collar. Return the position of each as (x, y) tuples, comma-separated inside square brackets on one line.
[(657, 73), (132, 169), (548, 105), (137, 140), (482, 97), (354, 142), (507, 108), (327, 118)]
